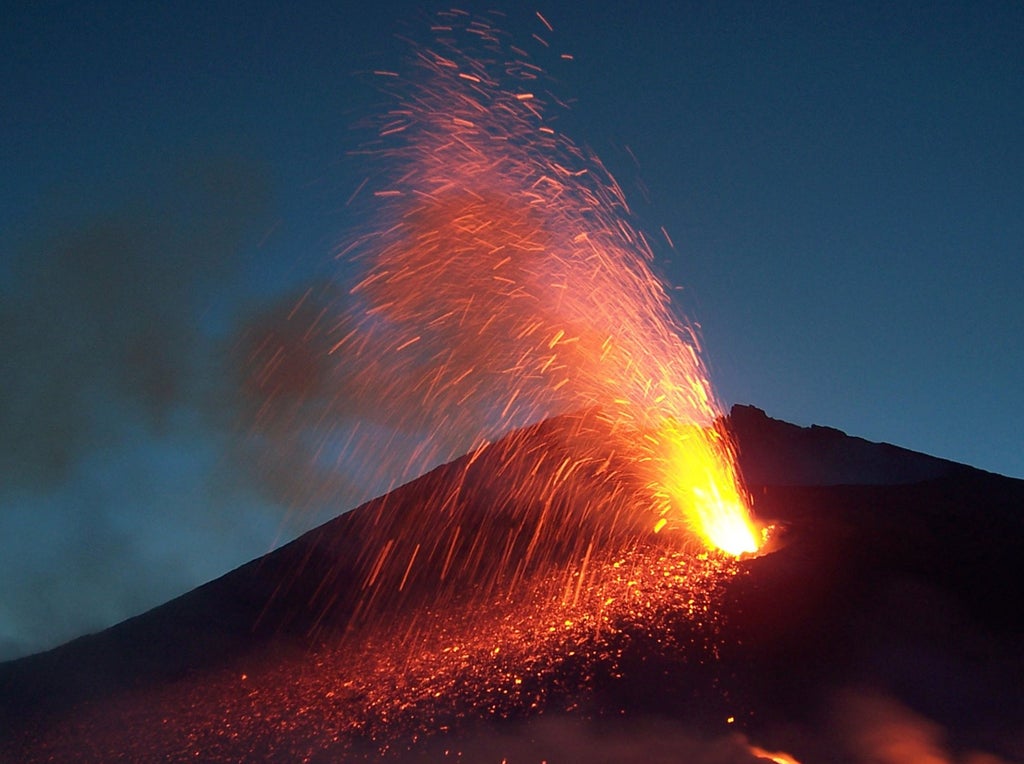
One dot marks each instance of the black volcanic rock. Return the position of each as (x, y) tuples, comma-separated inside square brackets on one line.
[(894, 594)]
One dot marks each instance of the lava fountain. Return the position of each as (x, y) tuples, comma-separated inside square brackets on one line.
[(505, 314), (505, 283)]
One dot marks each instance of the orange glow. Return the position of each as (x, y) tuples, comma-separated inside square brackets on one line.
[(778, 758)]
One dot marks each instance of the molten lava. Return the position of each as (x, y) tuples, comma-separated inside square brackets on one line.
[(698, 475)]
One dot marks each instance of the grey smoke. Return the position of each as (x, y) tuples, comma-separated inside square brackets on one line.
[(117, 485)]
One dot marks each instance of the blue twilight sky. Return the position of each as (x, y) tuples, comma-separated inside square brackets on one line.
[(844, 184)]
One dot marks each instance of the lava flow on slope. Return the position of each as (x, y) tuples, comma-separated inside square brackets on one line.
[(323, 651), (885, 622)]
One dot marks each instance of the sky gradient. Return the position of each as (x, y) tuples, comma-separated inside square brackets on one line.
[(844, 188)]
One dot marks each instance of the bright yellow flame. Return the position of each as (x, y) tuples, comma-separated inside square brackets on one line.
[(699, 481)]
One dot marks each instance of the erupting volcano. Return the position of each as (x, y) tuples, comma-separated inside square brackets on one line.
[(586, 548), (502, 285)]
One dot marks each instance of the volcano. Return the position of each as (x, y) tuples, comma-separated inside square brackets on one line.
[(883, 623)]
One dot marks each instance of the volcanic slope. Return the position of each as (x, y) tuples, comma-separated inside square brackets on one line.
[(892, 584)]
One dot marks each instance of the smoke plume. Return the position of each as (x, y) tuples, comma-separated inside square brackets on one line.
[(115, 418)]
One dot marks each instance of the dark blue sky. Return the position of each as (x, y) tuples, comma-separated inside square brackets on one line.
[(844, 184)]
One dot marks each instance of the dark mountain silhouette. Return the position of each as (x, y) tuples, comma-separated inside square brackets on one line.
[(779, 453), (889, 610)]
